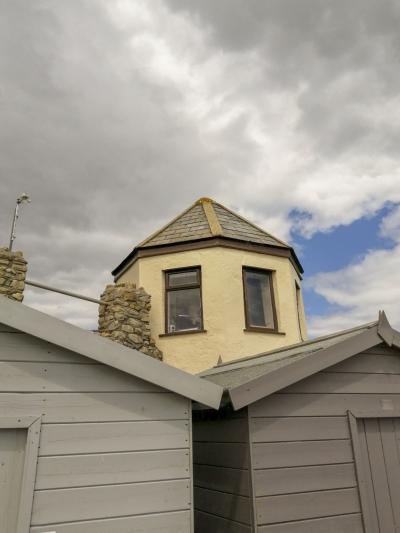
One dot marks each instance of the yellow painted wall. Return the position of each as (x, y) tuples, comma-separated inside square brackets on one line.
[(223, 306)]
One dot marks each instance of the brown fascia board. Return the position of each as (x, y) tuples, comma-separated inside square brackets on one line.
[(209, 242), (280, 378)]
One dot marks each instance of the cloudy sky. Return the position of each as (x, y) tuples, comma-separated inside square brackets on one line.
[(117, 114)]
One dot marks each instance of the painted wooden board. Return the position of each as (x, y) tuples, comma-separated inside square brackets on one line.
[(323, 404), (356, 383), (236, 508), (222, 479), (274, 481), (62, 505), (110, 468), (221, 430), (273, 509), (22, 347), (95, 407), (207, 523), (302, 453), (67, 377), (299, 428), (232, 455), (176, 522), (351, 523), (100, 437), (370, 363)]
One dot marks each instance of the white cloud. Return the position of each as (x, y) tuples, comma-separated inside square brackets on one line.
[(117, 114), (360, 290)]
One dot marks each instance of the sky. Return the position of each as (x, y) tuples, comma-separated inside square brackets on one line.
[(115, 115)]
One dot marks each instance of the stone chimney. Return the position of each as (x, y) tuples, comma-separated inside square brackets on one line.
[(124, 316), (12, 274)]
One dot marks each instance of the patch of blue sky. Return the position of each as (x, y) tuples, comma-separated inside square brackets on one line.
[(336, 249)]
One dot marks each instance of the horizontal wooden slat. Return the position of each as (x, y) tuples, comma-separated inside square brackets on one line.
[(221, 430), (384, 363), (236, 508), (230, 480), (273, 509), (356, 383), (206, 523), (351, 523), (23, 347), (281, 404), (56, 439), (320, 452), (95, 407), (103, 469), (67, 377), (176, 522), (299, 428), (62, 505), (274, 481), (233, 455)]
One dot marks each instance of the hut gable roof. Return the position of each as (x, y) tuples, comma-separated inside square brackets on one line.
[(27, 320), (250, 379)]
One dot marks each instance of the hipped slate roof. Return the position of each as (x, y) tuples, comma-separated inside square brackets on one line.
[(250, 379), (203, 220), (50, 329)]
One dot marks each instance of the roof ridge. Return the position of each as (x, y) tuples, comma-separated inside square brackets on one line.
[(163, 228), (211, 216), (223, 366), (252, 224)]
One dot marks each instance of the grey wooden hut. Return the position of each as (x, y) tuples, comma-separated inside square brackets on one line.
[(307, 440), (94, 437)]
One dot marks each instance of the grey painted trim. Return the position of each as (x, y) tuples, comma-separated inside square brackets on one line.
[(283, 377), (50, 329), (385, 330), (32, 424)]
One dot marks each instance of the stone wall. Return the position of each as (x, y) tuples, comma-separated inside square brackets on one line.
[(124, 316), (12, 274)]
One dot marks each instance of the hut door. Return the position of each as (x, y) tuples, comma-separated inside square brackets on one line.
[(12, 454), (379, 442)]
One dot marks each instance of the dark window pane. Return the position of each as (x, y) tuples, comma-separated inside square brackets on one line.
[(184, 310), (259, 300), (180, 279)]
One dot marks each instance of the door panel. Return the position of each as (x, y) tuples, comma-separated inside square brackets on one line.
[(379, 453), (12, 454)]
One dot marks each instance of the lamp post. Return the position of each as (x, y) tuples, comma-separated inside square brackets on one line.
[(24, 198)]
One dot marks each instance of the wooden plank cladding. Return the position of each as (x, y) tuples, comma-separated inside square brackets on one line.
[(231, 506), (351, 523), (230, 454), (275, 481), (172, 522), (58, 439), (67, 505), (281, 454), (300, 428), (273, 509), (231, 480), (95, 407), (205, 523), (67, 377), (111, 468)]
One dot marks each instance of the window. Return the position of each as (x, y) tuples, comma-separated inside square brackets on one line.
[(183, 300), (259, 300)]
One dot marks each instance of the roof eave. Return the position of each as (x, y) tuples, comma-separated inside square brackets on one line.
[(133, 255)]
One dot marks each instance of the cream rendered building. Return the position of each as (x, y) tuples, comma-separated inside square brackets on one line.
[(221, 287)]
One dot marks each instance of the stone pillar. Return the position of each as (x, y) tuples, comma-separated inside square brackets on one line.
[(124, 316), (12, 274)]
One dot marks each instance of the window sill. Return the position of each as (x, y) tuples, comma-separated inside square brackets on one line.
[(264, 330), (176, 333)]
